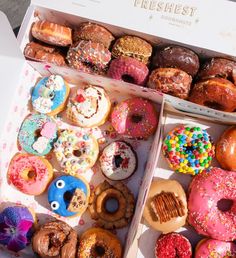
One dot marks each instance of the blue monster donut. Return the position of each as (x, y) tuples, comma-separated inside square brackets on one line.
[(50, 94), (37, 134), (68, 195)]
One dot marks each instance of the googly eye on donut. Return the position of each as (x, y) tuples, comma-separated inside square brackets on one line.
[(76, 151), (37, 134), (68, 195), (50, 94), (188, 149), (89, 106), (166, 206)]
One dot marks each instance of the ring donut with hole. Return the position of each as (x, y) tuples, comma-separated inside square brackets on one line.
[(68, 196)]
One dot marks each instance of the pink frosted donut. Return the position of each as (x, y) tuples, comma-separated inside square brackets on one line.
[(29, 174), (215, 248), (206, 190), (128, 69), (136, 118)]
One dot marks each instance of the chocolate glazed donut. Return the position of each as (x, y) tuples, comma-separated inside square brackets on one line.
[(55, 239)]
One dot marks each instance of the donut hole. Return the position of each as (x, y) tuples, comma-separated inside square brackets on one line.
[(136, 118), (111, 205), (37, 133), (99, 250), (118, 160), (224, 204), (77, 153), (127, 78), (68, 195), (31, 174), (214, 105)]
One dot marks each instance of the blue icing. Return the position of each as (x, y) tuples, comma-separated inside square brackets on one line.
[(48, 94), (56, 194), (29, 134)]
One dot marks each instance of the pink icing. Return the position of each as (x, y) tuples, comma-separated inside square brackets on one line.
[(48, 130), (122, 118), (22, 162), (215, 248), (206, 190)]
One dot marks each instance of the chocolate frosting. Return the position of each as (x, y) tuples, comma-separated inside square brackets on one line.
[(55, 239)]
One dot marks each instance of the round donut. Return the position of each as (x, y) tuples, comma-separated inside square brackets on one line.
[(16, 229), (128, 69), (135, 117), (55, 239), (218, 67), (76, 151), (177, 57), (89, 54), (226, 149), (216, 93), (132, 46), (173, 245), (29, 174), (166, 206), (44, 53), (89, 107), (205, 191), (93, 32), (118, 161), (52, 33), (37, 134), (188, 149), (170, 81), (50, 94), (68, 195), (215, 248), (98, 242), (112, 206)]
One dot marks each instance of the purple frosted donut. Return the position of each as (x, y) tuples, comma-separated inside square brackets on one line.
[(128, 69), (16, 227)]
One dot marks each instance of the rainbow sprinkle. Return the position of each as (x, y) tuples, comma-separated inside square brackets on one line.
[(188, 149)]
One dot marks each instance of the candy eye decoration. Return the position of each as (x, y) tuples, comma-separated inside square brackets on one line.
[(60, 184), (55, 205), (51, 95)]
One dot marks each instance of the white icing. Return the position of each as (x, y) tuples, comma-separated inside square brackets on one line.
[(55, 82), (43, 105), (41, 144), (107, 161)]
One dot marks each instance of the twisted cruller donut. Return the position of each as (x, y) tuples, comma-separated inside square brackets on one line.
[(107, 216), (55, 239)]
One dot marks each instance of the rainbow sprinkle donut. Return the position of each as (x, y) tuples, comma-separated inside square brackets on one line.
[(188, 149)]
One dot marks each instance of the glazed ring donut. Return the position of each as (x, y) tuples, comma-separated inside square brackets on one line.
[(93, 32), (128, 69), (170, 81), (29, 174), (55, 239), (37, 134), (135, 118), (52, 33), (68, 196), (205, 191), (50, 94), (97, 242), (111, 217), (76, 151), (166, 206), (218, 67), (188, 149), (215, 248), (132, 46), (173, 245), (44, 53), (215, 93)]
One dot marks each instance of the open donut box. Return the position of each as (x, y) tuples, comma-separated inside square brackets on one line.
[(159, 22)]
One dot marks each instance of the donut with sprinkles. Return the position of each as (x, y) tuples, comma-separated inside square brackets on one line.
[(188, 149)]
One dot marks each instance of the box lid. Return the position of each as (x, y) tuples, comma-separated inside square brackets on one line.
[(208, 24), (12, 62)]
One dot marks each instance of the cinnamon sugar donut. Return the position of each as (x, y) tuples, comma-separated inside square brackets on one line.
[(52, 33), (93, 32), (44, 53)]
